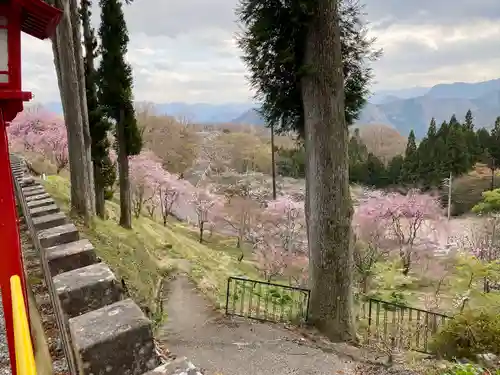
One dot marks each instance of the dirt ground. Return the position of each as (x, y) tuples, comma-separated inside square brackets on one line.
[(228, 346)]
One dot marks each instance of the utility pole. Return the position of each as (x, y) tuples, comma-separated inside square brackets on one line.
[(448, 183), (273, 164)]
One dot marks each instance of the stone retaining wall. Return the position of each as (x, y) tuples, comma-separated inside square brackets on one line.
[(104, 332)]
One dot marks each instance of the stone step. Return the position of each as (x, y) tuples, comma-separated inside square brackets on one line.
[(40, 203), (87, 288), (116, 339), (44, 210), (58, 235), (70, 256), (32, 187), (37, 197), (49, 221), (37, 191), (26, 181)]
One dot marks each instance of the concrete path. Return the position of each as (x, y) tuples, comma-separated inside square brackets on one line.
[(224, 346)]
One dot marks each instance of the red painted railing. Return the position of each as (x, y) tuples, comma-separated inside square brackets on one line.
[(12, 263)]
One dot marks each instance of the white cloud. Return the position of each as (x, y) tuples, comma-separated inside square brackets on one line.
[(186, 50)]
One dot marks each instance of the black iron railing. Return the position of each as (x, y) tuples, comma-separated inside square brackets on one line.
[(388, 324), (266, 301), (399, 326)]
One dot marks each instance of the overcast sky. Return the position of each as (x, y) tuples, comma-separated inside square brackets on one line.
[(185, 51)]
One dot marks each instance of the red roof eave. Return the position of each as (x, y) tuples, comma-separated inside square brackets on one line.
[(39, 19)]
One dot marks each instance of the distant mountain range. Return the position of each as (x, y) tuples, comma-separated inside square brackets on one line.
[(413, 108), (405, 109)]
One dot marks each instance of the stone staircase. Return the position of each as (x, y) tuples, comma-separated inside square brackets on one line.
[(103, 331)]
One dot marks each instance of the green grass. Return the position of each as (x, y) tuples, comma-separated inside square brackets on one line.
[(143, 255)]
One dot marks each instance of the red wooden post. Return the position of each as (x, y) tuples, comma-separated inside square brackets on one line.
[(11, 263), (38, 19)]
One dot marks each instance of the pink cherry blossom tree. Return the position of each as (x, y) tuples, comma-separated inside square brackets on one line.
[(240, 210), (205, 204), (41, 132), (284, 220), (371, 242), (272, 261), (279, 240), (413, 222), (146, 177), (168, 195)]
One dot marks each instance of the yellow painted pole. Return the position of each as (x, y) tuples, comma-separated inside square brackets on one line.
[(25, 360)]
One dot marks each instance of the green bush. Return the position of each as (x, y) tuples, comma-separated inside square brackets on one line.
[(469, 369), (469, 334)]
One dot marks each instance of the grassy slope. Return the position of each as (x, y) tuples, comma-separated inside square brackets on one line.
[(141, 256)]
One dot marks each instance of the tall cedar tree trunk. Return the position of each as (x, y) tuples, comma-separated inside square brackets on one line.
[(68, 81), (124, 178), (77, 46), (100, 199), (88, 37), (328, 201)]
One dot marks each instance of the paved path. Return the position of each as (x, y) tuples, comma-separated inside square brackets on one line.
[(4, 349), (224, 346)]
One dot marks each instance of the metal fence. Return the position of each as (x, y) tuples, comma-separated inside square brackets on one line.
[(389, 324), (266, 301), (399, 326)]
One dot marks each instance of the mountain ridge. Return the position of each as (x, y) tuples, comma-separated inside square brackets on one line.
[(407, 112), (403, 109)]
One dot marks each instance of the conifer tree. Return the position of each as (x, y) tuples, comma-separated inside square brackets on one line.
[(429, 158), (395, 170), (376, 174), (411, 164), (104, 173), (457, 160), (276, 74), (471, 138), (307, 62), (115, 96), (494, 150)]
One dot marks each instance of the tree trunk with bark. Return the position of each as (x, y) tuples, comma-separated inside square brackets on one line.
[(328, 201), (124, 178), (67, 74), (100, 201), (80, 71)]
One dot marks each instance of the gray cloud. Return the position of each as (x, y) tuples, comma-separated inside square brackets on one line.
[(184, 50), (389, 12)]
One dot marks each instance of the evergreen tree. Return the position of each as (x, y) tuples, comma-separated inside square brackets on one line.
[(276, 73), (430, 156), (453, 121), (443, 131), (357, 158), (494, 150), (104, 172), (299, 54), (376, 174), (471, 138), (457, 160), (411, 164), (395, 170), (469, 121), (115, 95), (432, 130)]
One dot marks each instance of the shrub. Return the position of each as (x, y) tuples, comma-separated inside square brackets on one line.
[(468, 369), (469, 334)]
